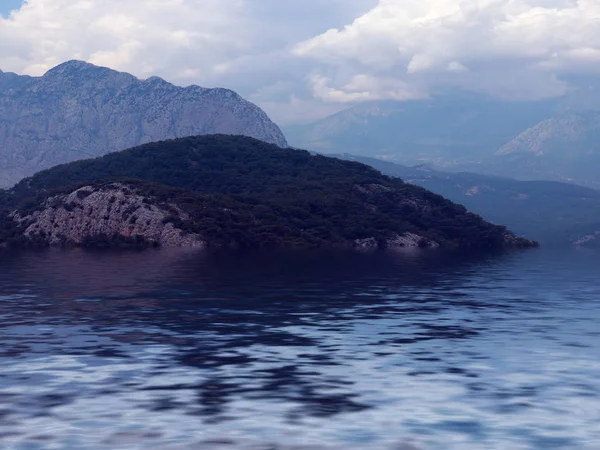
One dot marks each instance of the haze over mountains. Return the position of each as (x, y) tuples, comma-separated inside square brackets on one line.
[(78, 110), (565, 147), (556, 139)]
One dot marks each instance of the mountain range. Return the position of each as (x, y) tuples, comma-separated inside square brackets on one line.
[(555, 139), (77, 110)]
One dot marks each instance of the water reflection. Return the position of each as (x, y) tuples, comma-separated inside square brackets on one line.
[(422, 350)]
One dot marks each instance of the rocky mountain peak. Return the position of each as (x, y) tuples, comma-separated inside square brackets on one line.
[(569, 132), (71, 67), (158, 82), (82, 75), (78, 110)]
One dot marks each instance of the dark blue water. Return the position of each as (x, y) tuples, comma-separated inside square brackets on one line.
[(189, 350)]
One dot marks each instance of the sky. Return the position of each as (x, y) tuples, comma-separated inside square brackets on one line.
[(304, 59), (6, 6)]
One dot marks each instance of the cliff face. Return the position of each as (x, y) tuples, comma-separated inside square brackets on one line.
[(108, 212), (78, 110)]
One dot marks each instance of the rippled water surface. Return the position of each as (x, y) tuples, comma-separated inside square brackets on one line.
[(178, 350)]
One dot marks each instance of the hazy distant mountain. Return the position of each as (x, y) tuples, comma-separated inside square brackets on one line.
[(442, 129), (78, 110), (551, 212), (546, 140), (565, 147)]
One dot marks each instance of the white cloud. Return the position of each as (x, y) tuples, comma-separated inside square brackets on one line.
[(141, 36), (363, 87), (279, 54), (473, 44), (240, 44), (295, 110)]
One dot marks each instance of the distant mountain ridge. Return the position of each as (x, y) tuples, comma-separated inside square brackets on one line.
[(78, 110), (556, 139), (420, 130), (565, 147)]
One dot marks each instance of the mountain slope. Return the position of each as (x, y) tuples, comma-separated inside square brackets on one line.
[(564, 148), (234, 190), (78, 110), (550, 212)]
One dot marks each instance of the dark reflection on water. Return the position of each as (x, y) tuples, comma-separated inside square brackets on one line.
[(386, 350)]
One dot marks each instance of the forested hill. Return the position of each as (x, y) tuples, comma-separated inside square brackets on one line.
[(234, 190), (556, 214)]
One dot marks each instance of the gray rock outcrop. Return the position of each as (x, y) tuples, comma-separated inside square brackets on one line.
[(109, 211), (78, 110), (405, 240)]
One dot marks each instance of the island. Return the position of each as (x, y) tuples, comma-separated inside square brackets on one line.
[(234, 191)]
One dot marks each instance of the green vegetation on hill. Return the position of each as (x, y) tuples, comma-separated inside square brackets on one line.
[(244, 192), (547, 211)]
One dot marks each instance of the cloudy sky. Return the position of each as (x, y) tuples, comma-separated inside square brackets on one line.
[(303, 59)]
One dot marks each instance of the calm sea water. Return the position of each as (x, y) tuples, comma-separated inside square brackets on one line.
[(387, 350)]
